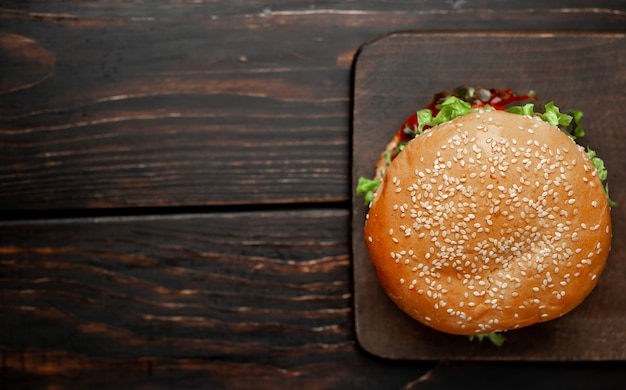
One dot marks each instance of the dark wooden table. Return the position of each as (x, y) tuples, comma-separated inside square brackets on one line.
[(175, 193)]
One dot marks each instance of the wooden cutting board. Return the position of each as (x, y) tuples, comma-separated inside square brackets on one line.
[(398, 74)]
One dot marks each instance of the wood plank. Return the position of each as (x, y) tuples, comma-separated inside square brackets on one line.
[(171, 103), (397, 75), (223, 299)]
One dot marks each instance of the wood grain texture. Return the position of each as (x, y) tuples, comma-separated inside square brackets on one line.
[(170, 103), (25, 63), (559, 67), (232, 300)]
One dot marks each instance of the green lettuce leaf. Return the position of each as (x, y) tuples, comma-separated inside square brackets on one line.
[(390, 154), (424, 117), (553, 116), (527, 109), (449, 109), (496, 338), (598, 163), (612, 203), (575, 129), (570, 124), (367, 187)]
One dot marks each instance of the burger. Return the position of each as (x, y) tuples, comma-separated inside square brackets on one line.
[(485, 215)]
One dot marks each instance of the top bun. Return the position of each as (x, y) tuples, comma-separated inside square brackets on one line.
[(489, 222)]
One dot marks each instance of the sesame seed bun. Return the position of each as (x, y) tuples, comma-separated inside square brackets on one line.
[(490, 222)]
